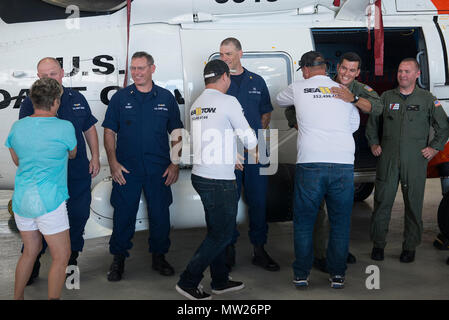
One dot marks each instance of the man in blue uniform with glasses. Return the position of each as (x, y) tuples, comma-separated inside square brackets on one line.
[(141, 116), (75, 109), (251, 91)]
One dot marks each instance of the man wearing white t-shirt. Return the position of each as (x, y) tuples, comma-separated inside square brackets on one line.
[(324, 166), (215, 120)]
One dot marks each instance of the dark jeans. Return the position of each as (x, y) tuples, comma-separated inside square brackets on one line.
[(313, 182), (219, 199)]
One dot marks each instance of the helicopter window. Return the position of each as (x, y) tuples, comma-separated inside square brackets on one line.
[(13, 11)]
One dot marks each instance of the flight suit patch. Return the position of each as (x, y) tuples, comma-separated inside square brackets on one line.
[(437, 103), (394, 106), (368, 88), (412, 108)]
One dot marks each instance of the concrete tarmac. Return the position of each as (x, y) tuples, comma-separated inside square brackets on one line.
[(426, 278)]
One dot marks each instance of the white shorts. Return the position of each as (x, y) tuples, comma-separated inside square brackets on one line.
[(50, 223)]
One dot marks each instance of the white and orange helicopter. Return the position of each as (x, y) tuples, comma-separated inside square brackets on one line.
[(94, 40)]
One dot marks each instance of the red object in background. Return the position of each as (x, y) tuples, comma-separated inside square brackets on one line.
[(441, 157), (379, 40), (336, 3)]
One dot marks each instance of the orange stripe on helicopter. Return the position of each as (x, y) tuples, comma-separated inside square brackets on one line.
[(441, 5)]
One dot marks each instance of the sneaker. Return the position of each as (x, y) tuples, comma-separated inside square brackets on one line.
[(377, 254), (301, 283), (230, 286), (337, 282), (194, 293)]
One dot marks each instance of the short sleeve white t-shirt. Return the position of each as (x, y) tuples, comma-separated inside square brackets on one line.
[(325, 123)]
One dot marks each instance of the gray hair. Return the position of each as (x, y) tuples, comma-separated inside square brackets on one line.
[(44, 92)]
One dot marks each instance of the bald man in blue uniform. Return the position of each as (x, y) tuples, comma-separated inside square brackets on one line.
[(74, 108), (141, 116), (251, 91)]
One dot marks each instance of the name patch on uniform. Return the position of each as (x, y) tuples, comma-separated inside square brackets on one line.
[(394, 106), (254, 91), (78, 106), (161, 107), (412, 108), (437, 103)]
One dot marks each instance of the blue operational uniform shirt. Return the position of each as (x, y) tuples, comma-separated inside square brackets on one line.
[(74, 108), (253, 95), (142, 122), (42, 146)]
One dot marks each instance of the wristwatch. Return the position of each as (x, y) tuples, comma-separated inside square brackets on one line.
[(356, 99)]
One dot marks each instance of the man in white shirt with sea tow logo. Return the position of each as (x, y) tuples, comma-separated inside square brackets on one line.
[(215, 117), (324, 167)]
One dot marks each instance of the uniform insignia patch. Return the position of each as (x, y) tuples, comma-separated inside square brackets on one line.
[(368, 88), (394, 106), (437, 103), (412, 108)]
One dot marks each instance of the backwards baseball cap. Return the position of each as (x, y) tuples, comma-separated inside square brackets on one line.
[(215, 68), (311, 59)]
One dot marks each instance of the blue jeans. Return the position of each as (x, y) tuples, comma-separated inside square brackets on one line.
[(313, 182), (219, 199)]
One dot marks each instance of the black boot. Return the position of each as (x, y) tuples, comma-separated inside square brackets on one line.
[(73, 256), (320, 264), (230, 256), (72, 262), (407, 256), (262, 259), (35, 272), (161, 265), (351, 258), (441, 242), (377, 254), (117, 268)]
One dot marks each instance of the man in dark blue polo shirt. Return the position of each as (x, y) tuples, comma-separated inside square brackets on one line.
[(140, 116), (75, 109), (251, 91)]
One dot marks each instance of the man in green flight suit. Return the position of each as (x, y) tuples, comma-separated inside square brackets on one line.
[(367, 100), (404, 150)]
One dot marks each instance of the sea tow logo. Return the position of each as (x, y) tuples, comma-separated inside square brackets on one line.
[(320, 92), (323, 90), (200, 111)]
